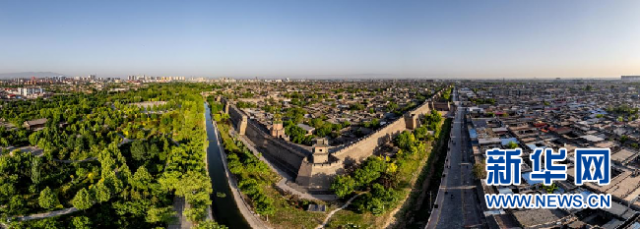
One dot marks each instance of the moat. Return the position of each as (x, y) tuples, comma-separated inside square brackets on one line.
[(225, 210)]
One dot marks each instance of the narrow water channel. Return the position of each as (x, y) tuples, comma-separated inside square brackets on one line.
[(225, 210)]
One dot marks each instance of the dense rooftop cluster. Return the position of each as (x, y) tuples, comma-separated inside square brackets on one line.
[(559, 114), (340, 110)]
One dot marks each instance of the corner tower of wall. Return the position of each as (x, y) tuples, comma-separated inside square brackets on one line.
[(320, 151)]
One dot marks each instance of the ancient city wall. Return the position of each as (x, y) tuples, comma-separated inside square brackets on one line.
[(365, 147), (319, 176), (281, 154), (360, 150), (274, 149), (235, 114)]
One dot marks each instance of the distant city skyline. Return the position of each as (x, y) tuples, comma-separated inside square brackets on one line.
[(319, 77), (323, 39)]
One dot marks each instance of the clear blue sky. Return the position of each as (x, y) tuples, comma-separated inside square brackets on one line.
[(328, 38)]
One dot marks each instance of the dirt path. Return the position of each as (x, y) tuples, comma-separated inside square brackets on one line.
[(326, 220), (47, 214)]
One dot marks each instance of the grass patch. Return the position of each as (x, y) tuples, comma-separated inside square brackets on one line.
[(291, 213), (351, 218)]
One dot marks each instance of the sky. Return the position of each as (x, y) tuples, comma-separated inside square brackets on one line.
[(323, 38)]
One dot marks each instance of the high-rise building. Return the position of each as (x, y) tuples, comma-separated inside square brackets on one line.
[(630, 78), (27, 91)]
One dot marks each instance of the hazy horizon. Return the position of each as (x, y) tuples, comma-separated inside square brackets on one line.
[(323, 39), (318, 77)]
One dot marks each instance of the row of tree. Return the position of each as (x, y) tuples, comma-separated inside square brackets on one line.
[(252, 175)]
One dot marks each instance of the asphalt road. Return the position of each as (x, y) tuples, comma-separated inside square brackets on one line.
[(457, 201)]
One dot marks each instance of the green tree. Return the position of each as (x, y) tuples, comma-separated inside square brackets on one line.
[(138, 150), (249, 186), (102, 192), (624, 138), (35, 170), (195, 187), (551, 188), (82, 200), (264, 206), (376, 206), (343, 185), (165, 214), (479, 170), (154, 151), (48, 199), (379, 198), (209, 225), (421, 133), (405, 140), (512, 145), (33, 139), (392, 106), (224, 117), (81, 222), (16, 205), (142, 178), (356, 106), (195, 213), (370, 171), (47, 223)]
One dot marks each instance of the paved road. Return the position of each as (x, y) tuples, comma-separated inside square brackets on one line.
[(457, 201)]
